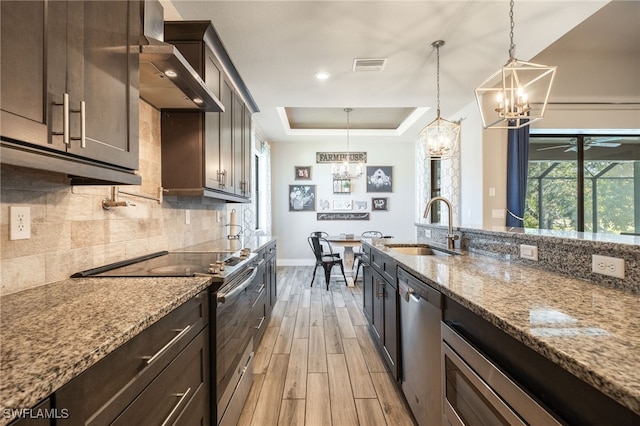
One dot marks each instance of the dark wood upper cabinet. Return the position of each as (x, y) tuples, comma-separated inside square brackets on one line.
[(208, 153), (71, 62)]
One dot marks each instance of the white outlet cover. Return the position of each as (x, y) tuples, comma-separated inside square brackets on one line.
[(19, 223), (528, 252), (605, 265)]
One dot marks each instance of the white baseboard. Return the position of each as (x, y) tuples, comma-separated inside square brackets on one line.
[(295, 262)]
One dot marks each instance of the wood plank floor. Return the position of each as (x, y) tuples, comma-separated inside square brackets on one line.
[(317, 364)]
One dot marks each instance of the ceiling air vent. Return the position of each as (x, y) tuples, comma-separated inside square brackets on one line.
[(369, 64)]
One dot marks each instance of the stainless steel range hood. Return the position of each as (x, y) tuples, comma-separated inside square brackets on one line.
[(167, 80)]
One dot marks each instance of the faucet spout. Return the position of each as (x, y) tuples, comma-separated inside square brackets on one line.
[(451, 237)]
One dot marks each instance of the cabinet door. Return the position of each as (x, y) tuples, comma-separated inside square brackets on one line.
[(226, 135), (212, 125), (377, 287), (247, 155), (33, 67), (367, 293), (102, 72), (391, 327), (237, 114)]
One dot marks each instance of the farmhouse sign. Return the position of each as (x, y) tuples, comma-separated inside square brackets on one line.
[(340, 157)]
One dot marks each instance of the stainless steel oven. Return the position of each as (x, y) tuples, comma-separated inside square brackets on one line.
[(236, 325), (476, 392)]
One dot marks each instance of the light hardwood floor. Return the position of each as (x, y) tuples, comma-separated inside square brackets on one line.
[(317, 364)]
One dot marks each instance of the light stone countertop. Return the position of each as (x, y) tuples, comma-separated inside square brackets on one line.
[(591, 331), (51, 334)]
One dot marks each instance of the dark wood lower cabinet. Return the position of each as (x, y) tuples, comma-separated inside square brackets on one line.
[(172, 352), (176, 392), (380, 306)]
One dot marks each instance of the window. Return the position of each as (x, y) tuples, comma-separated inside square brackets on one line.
[(436, 189), (584, 183)]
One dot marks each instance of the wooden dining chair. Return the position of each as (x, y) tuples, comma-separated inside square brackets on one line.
[(326, 259)]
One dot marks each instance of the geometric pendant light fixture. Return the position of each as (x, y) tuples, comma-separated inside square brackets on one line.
[(439, 138), (517, 94)]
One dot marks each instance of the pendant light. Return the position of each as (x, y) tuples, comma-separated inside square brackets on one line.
[(440, 137), (343, 170), (518, 92)]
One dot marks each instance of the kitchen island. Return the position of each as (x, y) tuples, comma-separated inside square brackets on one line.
[(589, 330)]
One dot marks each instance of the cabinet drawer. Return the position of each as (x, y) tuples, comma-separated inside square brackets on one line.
[(169, 395), (38, 415), (98, 395)]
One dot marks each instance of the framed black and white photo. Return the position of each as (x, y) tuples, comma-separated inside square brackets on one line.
[(379, 178), (380, 204), (303, 172), (302, 198)]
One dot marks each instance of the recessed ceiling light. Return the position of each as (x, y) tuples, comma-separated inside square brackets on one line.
[(197, 101), (170, 73), (322, 75)]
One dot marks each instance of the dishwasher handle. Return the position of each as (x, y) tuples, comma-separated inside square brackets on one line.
[(410, 288)]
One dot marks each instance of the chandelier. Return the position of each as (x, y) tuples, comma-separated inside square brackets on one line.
[(342, 170), (520, 91), (440, 137)]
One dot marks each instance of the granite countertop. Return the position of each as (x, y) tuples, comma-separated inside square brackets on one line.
[(590, 330), (51, 334)]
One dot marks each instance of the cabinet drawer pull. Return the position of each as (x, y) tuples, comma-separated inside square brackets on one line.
[(262, 286), (182, 396), (168, 345), (259, 326)]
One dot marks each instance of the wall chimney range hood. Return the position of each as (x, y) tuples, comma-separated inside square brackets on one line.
[(167, 80)]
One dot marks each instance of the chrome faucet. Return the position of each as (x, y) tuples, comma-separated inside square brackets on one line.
[(234, 236), (451, 237)]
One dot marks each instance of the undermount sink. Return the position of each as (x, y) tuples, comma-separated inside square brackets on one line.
[(416, 250)]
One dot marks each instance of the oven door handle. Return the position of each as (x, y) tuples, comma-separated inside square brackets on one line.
[(223, 297)]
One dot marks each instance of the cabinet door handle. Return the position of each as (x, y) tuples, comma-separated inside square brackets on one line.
[(182, 396), (168, 345), (259, 326), (65, 118), (83, 126), (262, 286)]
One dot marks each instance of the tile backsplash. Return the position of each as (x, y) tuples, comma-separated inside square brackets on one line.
[(70, 231)]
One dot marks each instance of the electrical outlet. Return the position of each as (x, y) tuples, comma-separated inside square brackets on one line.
[(187, 217), (611, 266), (497, 213), (427, 233), (19, 223), (528, 252)]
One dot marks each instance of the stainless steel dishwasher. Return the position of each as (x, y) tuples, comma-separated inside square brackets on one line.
[(420, 316)]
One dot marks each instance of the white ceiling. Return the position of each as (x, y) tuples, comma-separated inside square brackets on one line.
[(277, 46)]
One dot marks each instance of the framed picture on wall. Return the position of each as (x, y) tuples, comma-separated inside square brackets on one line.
[(303, 172), (380, 204), (379, 178), (360, 205), (302, 198)]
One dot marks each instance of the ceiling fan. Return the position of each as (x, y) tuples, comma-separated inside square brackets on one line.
[(604, 142)]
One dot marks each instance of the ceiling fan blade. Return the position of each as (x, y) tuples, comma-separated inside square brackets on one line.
[(553, 147), (604, 139), (606, 144)]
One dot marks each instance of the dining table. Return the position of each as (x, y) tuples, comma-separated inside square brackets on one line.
[(348, 242)]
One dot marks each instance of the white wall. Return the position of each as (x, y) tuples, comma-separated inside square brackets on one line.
[(293, 228)]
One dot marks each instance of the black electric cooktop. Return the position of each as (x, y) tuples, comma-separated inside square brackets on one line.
[(169, 264)]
